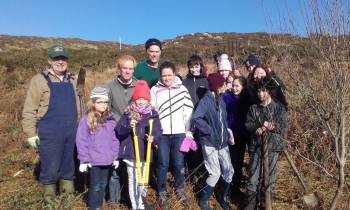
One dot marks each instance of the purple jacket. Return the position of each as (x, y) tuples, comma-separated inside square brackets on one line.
[(100, 148), (124, 133)]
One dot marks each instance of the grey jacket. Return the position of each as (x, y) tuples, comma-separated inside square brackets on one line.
[(119, 95)]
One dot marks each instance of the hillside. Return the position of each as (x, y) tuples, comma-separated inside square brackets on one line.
[(312, 150)]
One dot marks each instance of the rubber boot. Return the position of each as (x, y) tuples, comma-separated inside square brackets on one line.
[(204, 199), (222, 197), (49, 193), (250, 200), (66, 186)]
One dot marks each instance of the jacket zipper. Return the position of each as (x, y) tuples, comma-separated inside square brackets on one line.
[(171, 118), (222, 127)]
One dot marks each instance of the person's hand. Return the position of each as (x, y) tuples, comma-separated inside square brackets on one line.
[(34, 142), (115, 164), (150, 139), (231, 140), (260, 131), (269, 125), (133, 123), (83, 167)]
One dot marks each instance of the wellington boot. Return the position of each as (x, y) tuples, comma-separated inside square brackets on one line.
[(49, 193), (204, 199), (66, 186)]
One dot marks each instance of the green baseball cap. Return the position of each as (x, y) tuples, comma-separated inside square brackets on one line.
[(57, 50)]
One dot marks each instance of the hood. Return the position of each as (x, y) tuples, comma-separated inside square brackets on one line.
[(176, 84)]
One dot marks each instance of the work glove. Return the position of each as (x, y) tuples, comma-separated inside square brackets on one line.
[(34, 142), (231, 140), (83, 167), (115, 164)]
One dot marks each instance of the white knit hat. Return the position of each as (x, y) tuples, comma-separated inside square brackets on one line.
[(224, 63), (99, 92)]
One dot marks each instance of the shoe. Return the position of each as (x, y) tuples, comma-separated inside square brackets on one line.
[(163, 201), (182, 196), (204, 199)]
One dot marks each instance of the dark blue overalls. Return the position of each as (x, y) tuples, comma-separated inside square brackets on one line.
[(57, 131)]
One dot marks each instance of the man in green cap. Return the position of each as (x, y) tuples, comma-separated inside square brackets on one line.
[(50, 116)]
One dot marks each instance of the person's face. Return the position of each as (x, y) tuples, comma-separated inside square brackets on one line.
[(141, 102), (195, 69), (236, 87), (59, 64), (167, 77), (127, 70), (224, 73), (259, 74), (153, 53), (101, 105), (263, 95)]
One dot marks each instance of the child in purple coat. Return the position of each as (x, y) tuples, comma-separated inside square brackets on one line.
[(137, 115), (97, 145)]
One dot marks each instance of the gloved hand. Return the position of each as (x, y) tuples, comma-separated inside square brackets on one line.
[(34, 142), (231, 140), (189, 134), (83, 167), (115, 164)]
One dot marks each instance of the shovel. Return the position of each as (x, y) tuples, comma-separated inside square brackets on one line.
[(310, 199)]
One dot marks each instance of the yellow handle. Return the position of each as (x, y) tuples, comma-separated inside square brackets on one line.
[(137, 155), (148, 155)]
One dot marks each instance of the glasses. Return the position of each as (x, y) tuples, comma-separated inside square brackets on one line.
[(101, 102)]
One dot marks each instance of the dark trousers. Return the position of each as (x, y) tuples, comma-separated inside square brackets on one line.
[(98, 182), (57, 151), (237, 157), (169, 147), (255, 181)]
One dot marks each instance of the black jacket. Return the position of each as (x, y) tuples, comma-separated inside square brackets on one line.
[(197, 86)]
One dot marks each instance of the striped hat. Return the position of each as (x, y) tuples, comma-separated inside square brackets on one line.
[(99, 92)]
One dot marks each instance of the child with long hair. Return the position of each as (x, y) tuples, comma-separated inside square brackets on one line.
[(97, 145), (237, 102), (137, 115), (210, 119)]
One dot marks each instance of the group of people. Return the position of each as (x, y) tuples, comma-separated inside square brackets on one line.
[(204, 119)]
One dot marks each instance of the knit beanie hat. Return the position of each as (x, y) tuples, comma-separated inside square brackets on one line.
[(151, 42), (99, 92), (224, 63), (215, 80), (252, 60), (141, 90)]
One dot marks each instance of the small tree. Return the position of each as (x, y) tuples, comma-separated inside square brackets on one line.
[(319, 72)]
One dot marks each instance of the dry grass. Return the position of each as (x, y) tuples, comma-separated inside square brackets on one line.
[(23, 191)]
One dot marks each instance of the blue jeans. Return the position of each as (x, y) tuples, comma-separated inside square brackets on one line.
[(169, 146), (114, 186), (98, 183)]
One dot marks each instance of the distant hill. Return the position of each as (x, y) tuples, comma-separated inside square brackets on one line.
[(27, 54)]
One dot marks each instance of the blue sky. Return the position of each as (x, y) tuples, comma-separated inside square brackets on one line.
[(137, 20)]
